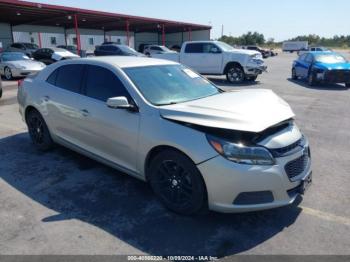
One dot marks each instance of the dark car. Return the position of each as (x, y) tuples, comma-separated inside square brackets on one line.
[(322, 67), (113, 49), (176, 48), (52, 55), (0, 87), (142, 48), (264, 53), (26, 48)]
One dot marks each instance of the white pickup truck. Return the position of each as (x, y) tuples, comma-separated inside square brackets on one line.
[(218, 58)]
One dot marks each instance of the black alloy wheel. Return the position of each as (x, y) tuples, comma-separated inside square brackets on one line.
[(38, 131), (177, 182)]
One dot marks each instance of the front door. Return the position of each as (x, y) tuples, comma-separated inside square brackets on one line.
[(109, 133)]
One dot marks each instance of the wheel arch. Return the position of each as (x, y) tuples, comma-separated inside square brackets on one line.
[(231, 64), (154, 152), (29, 108)]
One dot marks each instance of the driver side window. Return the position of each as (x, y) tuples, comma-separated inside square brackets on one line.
[(308, 58), (211, 49)]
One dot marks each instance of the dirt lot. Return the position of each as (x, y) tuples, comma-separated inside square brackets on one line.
[(63, 203)]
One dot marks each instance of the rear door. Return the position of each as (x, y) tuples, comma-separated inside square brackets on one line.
[(192, 56), (109, 133), (60, 101)]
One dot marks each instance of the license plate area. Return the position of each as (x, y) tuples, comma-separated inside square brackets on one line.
[(305, 183)]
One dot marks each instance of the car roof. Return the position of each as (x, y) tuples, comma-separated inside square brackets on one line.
[(321, 53), (130, 61), (12, 53)]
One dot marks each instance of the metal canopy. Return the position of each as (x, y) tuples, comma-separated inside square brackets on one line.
[(17, 12)]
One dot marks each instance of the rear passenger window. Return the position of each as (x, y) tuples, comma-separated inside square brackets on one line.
[(194, 48), (52, 78), (102, 84), (69, 77)]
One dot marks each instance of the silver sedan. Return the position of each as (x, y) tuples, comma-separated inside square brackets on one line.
[(157, 120), (16, 64)]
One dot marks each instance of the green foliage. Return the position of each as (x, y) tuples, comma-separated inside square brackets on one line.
[(335, 41), (250, 38), (255, 38)]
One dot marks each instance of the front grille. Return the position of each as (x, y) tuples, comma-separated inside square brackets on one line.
[(297, 166), (254, 198), (278, 152), (338, 76)]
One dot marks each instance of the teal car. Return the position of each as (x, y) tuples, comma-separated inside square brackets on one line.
[(322, 67)]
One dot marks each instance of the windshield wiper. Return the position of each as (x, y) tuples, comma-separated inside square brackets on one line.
[(169, 103)]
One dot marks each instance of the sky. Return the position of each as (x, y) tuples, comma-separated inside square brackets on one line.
[(278, 19)]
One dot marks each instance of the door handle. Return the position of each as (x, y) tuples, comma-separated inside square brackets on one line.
[(46, 98), (85, 112)]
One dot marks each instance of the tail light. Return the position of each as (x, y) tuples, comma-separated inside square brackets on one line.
[(19, 83)]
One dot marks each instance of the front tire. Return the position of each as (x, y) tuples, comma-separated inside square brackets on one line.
[(311, 80), (235, 74), (294, 74), (38, 131), (177, 183), (7, 73)]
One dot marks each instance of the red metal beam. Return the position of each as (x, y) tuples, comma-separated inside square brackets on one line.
[(127, 32), (77, 35), (45, 8), (39, 37)]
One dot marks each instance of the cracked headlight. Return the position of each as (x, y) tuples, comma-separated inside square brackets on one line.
[(239, 153)]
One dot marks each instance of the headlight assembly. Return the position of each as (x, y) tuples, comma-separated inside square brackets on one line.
[(20, 67), (239, 153)]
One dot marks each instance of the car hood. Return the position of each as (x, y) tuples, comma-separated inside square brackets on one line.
[(58, 55), (345, 66), (28, 64), (246, 110), (243, 51)]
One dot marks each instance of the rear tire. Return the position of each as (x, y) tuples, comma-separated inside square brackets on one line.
[(177, 183), (235, 74), (38, 131)]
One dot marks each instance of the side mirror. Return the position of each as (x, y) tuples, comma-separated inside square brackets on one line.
[(120, 102), (215, 50)]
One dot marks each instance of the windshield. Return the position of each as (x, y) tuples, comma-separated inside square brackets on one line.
[(30, 46), (330, 59), (224, 46), (165, 49), (14, 57), (170, 84)]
